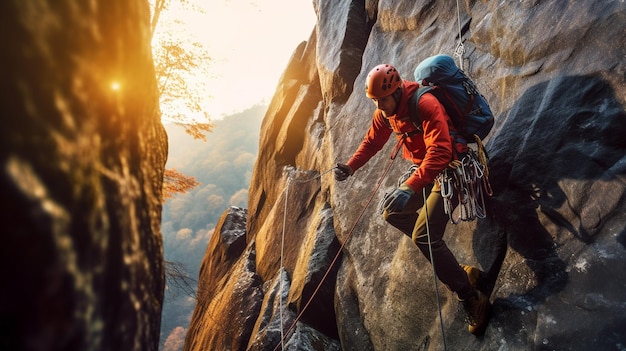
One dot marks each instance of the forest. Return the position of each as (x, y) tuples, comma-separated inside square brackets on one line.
[(223, 166)]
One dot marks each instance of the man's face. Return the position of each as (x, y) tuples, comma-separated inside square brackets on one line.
[(386, 104)]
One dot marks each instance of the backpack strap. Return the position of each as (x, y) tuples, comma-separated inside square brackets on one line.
[(413, 101), (413, 115)]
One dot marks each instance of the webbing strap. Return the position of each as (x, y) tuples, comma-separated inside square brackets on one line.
[(413, 101)]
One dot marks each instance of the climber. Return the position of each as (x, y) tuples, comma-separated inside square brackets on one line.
[(430, 148)]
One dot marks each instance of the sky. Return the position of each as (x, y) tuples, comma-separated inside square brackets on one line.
[(249, 42)]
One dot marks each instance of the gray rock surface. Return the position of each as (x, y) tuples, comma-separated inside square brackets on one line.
[(553, 245)]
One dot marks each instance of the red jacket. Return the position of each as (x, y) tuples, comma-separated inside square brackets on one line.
[(431, 150)]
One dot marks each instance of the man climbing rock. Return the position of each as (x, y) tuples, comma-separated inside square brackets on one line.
[(430, 148)]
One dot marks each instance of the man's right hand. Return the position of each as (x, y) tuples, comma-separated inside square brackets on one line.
[(342, 172)]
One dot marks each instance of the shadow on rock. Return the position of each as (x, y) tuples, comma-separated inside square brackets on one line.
[(556, 162)]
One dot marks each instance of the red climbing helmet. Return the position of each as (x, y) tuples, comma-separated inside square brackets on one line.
[(382, 81)]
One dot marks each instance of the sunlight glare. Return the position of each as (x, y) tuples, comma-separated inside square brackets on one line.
[(250, 43)]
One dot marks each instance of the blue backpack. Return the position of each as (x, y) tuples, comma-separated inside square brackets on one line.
[(467, 108)]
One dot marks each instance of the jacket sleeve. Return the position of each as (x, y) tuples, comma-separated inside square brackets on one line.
[(437, 141), (374, 140)]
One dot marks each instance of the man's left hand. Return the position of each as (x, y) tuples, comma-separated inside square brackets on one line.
[(397, 200)]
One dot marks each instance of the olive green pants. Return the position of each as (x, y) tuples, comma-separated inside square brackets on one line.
[(417, 221)]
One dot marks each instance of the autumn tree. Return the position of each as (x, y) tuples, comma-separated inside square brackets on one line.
[(173, 63), (175, 182), (177, 59)]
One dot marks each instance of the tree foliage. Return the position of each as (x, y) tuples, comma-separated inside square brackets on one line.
[(175, 182), (174, 64), (176, 60), (224, 165)]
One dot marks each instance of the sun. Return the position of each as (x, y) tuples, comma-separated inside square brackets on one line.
[(115, 86)]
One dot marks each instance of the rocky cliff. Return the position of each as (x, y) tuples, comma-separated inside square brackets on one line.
[(553, 247), (82, 156)]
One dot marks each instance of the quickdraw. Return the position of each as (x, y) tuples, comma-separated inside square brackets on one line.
[(465, 182)]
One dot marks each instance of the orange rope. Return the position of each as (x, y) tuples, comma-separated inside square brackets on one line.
[(350, 232)]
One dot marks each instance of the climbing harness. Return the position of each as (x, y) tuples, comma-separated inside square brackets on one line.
[(466, 183)]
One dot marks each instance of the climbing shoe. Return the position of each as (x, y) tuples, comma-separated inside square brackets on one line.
[(477, 307), (473, 274)]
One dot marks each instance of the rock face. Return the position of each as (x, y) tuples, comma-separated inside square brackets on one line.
[(553, 246), (82, 166)]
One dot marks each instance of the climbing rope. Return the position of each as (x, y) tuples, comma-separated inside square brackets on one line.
[(334, 261), (462, 176), (432, 264), (282, 246), (282, 254)]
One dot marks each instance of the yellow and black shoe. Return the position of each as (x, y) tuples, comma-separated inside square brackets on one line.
[(477, 308), (473, 274)]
